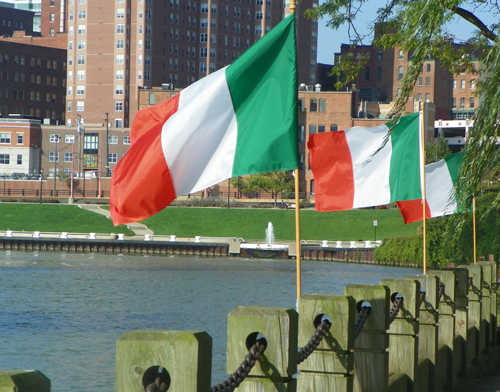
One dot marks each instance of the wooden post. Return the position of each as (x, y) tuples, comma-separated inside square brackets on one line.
[(489, 279), (23, 381), (330, 367), (371, 359), (279, 361), (428, 327), (183, 357), (475, 337), (446, 336), (403, 334)]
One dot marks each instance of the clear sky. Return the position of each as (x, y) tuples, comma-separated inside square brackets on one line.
[(329, 40)]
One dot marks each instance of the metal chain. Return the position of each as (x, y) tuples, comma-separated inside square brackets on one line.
[(157, 386), (316, 339), (363, 315), (244, 370), (422, 296), (396, 306), (440, 291)]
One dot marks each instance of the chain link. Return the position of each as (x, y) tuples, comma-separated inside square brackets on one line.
[(440, 291), (397, 304), (360, 322), (316, 339), (244, 370)]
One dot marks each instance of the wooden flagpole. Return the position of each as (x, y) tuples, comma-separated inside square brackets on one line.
[(297, 205), (424, 207), (474, 227)]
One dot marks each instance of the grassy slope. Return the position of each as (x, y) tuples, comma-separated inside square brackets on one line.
[(54, 217), (252, 223)]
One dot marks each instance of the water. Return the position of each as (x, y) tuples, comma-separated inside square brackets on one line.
[(270, 234), (61, 313)]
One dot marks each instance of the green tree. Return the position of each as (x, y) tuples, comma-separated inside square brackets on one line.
[(419, 28), (273, 182), (436, 150)]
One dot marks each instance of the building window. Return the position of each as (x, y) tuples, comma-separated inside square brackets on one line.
[(118, 106), (120, 43), (427, 81), (462, 84), (118, 123), (81, 29), (367, 74), (81, 44), (120, 28), (471, 102), (112, 139), (119, 89), (80, 90), (401, 55), (453, 103), (380, 56), (20, 137), (427, 97), (80, 74), (69, 138), (312, 129), (81, 59), (126, 140), (462, 102), (53, 156), (472, 84), (321, 128), (420, 82), (400, 73), (322, 105), (5, 137), (81, 14), (428, 67), (313, 107), (4, 159), (80, 106), (120, 13), (19, 159), (112, 157), (68, 157), (334, 127)]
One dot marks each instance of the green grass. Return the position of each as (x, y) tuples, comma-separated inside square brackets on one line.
[(55, 218), (251, 224), (247, 223)]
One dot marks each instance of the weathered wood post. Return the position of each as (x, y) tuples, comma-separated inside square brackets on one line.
[(278, 363), (446, 336), (486, 305), (428, 326), (461, 321), (475, 344), (23, 381), (371, 358), (330, 366), (403, 337), (182, 359)]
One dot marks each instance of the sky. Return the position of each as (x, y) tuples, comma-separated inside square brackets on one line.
[(329, 40)]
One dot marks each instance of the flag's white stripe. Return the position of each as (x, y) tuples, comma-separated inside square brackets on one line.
[(199, 140), (371, 177), (439, 189)]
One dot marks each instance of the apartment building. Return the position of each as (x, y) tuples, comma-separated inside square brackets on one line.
[(115, 48), (12, 19)]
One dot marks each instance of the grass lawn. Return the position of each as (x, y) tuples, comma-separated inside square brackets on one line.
[(250, 224), (55, 218), (247, 223)]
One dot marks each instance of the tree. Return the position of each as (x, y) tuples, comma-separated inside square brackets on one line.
[(436, 150), (420, 29), (274, 182)]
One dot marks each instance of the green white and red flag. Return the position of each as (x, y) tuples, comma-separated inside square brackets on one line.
[(440, 196), (351, 170), (239, 120)]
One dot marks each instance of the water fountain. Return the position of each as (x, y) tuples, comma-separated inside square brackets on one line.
[(269, 250)]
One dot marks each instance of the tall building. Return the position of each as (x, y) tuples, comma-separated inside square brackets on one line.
[(33, 6), (145, 43)]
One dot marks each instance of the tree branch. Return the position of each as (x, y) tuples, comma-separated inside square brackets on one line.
[(470, 17)]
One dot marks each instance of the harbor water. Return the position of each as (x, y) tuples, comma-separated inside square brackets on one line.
[(61, 313)]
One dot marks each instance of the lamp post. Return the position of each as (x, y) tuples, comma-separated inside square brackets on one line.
[(375, 227), (56, 158), (41, 178)]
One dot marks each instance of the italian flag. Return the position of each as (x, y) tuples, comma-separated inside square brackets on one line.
[(352, 170), (239, 120), (440, 178)]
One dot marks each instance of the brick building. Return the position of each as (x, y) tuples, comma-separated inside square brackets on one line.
[(12, 19)]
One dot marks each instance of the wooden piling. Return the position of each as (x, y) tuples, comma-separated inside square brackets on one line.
[(23, 381)]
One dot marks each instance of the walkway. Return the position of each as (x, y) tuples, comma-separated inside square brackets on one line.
[(488, 383), (137, 228)]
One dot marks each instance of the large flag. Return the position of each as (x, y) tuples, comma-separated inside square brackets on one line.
[(351, 172), (239, 120), (439, 191)]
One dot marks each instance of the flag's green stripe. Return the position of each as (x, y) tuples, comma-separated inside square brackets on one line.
[(263, 87), (404, 177), (453, 163)]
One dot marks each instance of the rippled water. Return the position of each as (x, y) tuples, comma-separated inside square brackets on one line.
[(61, 313)]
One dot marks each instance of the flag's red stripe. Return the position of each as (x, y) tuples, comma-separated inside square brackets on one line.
[(141, 184), (331, 164), (152, 118), (412, 210)]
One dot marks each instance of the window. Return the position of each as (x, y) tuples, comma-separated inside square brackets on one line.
[(427, 81), (471, 102), (400, 73), (427, 67), (5, 137), (427, 97), (112, 139), (81, 59), (119, 89), (112, 157), (120, 28), (68, 157), (419, 97), (118, 106), (453, 103), (454, 84), (334, 127), (4, 159), (53, 156), (322, 105), (462, 102), (69, 138), (120, 58), (80, 75), (126, 140), (312, 129), (119, 74), (321, 128), (462, 84), (367, 74), (301, 133), (379, 74), (420, 82), (81, 44), (118, 123), (120, 43), (80, 106), (80, 89), (120, 13), (81, 14), (401, 55), (380, 56), (19, 159), (472, 84), (81, 29), (313, 107)]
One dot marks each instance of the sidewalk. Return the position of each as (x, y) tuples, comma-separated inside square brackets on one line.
[(137, 228), (490, 382)]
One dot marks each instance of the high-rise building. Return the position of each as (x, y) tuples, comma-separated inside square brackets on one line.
[(116, 47)]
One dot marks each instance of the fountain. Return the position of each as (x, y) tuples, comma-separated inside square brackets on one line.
[(269, 250)]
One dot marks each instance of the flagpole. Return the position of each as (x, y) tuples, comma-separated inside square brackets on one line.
[(474, 227), (424, 219), (297, 205)]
